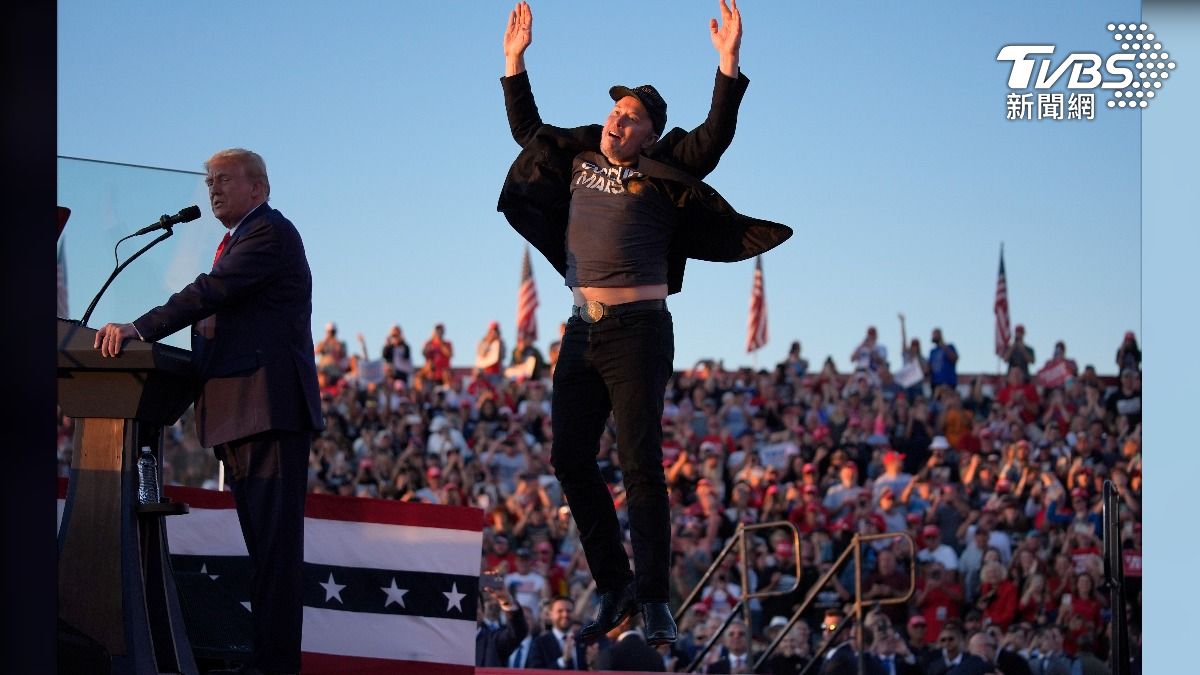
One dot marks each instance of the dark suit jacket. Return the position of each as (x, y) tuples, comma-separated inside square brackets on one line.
[(493, 646), (970, 665), (725, 665), (536, 195), (631, 653), (544, 653), (902, 666), (843, 660), (1059, 664), (1012, 663), (252, 341)]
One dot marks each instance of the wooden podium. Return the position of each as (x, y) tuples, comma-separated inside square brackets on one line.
[(115, 584)]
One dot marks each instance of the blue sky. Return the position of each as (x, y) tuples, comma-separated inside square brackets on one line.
[(876, 130)]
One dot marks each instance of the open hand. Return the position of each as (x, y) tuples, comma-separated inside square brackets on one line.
[(519, 33), (727, 37)]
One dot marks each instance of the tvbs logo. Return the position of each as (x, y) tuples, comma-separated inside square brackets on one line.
[(1085, 69), (1133, 75)]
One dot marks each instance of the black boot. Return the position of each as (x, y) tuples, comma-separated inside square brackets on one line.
[(660, 625), (615, 607)]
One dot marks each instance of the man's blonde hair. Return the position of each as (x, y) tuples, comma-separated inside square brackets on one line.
[(252, 162)]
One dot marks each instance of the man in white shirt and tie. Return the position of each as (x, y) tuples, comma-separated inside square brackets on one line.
[(557, 649), (496, 641), (737, 651), (1049, 658), (889, 648)]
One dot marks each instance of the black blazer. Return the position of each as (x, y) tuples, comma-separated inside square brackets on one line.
[(252, 344), (544, 652), (970, 665), (843, 660), (493, 646), (536, 195), (631, 653)]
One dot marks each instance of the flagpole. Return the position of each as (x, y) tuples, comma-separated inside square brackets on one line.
[(1000, 359)]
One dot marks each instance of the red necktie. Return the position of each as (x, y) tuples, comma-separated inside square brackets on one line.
[(220, 248)]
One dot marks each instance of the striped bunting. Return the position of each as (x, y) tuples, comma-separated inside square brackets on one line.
[(390, 586)]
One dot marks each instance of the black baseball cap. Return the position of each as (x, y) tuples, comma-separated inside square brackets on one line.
[(650, 98)]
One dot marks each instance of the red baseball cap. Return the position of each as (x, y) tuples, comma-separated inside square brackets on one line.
[(892, 456), (931, 531), (917, 620), (809, 468)]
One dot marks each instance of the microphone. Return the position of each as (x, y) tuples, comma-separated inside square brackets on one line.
[(186, 215)]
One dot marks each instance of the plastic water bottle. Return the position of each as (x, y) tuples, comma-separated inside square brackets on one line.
[(147, 468)]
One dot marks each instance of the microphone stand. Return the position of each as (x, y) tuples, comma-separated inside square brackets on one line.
[(87, 315)]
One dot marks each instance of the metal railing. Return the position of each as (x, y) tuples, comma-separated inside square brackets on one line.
[(1114, 581), (739, 539), (854, 550)]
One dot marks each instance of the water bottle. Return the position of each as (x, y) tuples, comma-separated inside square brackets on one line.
[(147, 468)]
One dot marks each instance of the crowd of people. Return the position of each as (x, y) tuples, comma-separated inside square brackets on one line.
[(997, 480)]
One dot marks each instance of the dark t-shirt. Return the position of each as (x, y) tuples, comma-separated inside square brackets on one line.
[(1129, 405), (619, 228)]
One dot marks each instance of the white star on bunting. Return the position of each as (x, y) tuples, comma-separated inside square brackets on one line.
[(204, 570), (394, 594), (454, 598), (333, 590)]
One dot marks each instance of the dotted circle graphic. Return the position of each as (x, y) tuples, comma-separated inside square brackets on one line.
[(1150, 62)]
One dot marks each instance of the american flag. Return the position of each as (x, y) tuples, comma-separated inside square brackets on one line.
[(1003, 333), (527, 302), (756, 327), (390, 587)]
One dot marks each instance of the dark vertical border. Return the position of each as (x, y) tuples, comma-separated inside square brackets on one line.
[(28, 269)]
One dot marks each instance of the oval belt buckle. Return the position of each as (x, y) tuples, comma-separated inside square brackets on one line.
[(593, 311)]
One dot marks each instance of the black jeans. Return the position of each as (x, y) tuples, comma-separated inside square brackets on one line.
[(620, 364)]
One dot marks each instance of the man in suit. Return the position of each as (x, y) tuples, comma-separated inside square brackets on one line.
[(631, 653), (843, 659), (557, 648), (737, 651), (520, 653), (618, 209), (1049, 657), (952, 659), (889, 649), (258, 406), (987, 647), (496, 643)]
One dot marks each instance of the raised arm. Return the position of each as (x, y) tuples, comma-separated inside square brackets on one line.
[(727, 37), (699, 150), (517, 38), (523, 117)]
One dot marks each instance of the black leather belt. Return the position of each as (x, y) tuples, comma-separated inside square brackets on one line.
[(595, 310)]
